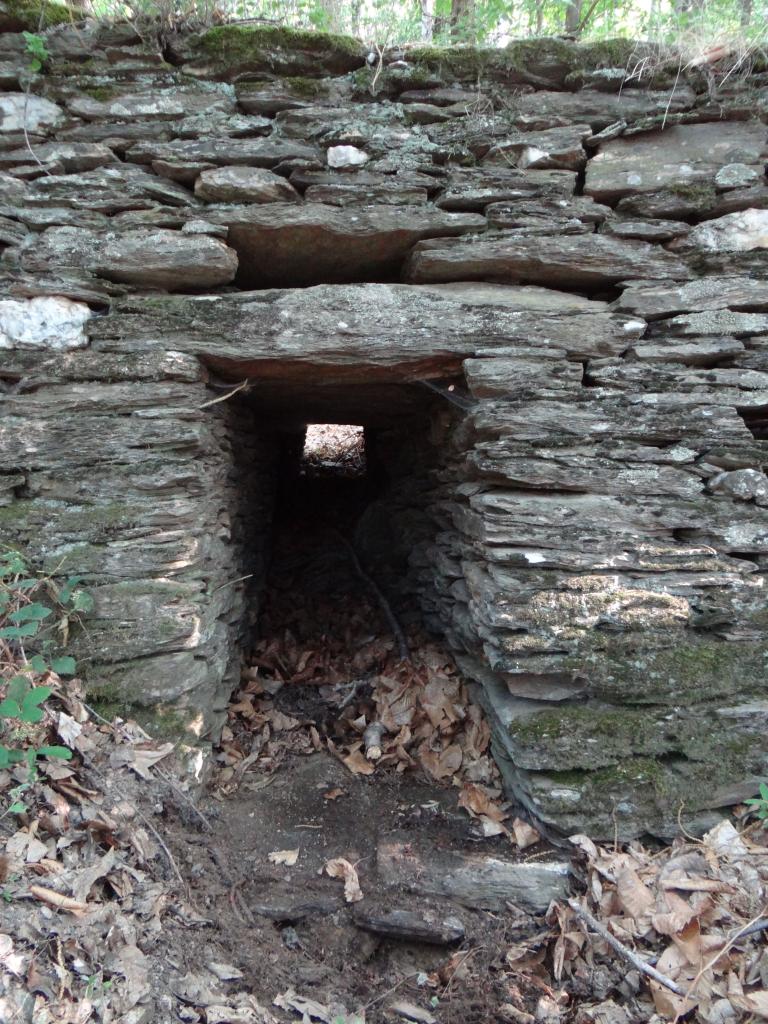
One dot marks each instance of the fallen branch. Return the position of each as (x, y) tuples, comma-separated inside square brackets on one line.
[(623, 950), (372, 738), (721, 952), (394, 625)]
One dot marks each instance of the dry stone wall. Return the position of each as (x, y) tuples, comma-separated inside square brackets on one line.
[(587, 520)]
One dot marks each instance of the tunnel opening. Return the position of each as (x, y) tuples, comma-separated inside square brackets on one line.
[(341, 503)]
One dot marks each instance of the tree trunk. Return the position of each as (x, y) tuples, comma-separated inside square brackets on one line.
[(745, 12), (355, 12), (427, 20), (539, 17), (462, 21), (331, 20), (573, 17)]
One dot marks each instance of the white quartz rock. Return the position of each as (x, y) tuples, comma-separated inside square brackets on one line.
[(735, 232), (18, 110), (43, 322), (346, 156)]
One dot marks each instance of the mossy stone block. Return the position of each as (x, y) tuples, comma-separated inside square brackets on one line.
[(234, 50)]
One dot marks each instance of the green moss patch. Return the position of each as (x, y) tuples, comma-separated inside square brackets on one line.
[(239, 49), (697, 670), (32, 15)]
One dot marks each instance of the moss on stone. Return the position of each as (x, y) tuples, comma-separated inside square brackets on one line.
[(699, 192), (281, 49), (32, 15), (606, 53), (306, 88), (457, 63), (543, 51), (102, 93), (701, 669), (161, 722)]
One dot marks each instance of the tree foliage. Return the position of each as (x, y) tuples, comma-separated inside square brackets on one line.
[(492, 22)]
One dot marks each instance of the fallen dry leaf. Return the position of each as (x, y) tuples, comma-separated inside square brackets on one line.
[(477, 801), (357, 763), (525, 834), (340, 868), (334, 794), (441, 764)]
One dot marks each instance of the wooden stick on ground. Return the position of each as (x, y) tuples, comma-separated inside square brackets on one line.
[(394, 625), (623, 950)]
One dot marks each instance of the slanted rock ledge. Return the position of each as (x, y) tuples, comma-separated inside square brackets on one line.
[(540, 286)]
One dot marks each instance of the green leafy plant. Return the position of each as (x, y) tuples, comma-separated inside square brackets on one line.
[(759, 804), (36, 51), (26, 621)]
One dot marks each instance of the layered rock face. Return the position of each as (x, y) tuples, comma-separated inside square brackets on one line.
[(563, 267)]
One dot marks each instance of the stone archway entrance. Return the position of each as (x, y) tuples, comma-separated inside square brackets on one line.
[(574, 561)]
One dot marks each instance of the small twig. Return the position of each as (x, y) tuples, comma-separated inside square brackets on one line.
[(230, 583), (163, 775), (163, 846), (148, 823), (222, 398), (377, 999), (27, 90), (379, 68), (459, 965), (721, 952), (394, 625), (623, 950)]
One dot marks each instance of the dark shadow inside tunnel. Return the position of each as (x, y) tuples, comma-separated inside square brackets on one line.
[(337, 488)]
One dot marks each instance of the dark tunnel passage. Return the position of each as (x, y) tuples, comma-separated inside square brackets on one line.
[(353, 471)]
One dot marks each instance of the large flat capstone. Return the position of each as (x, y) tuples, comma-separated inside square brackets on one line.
[(287, 245)]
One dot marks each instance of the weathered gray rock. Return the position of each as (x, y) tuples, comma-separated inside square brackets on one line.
[(736, 176), (646, 231), (236, 51), (287, 245), (158, 105), (682, 156), (367, 329), (269, 98), (244, 185), (249, 152), (745, 484), (150, 259), (107, 190), (653, 299), (589, 261), (718, 321), (68, 157), (554, 149), (386, 190), (548, 215), (474, 189), (599, 109)]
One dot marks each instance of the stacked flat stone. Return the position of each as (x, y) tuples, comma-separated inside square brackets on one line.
[(587, 523)]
